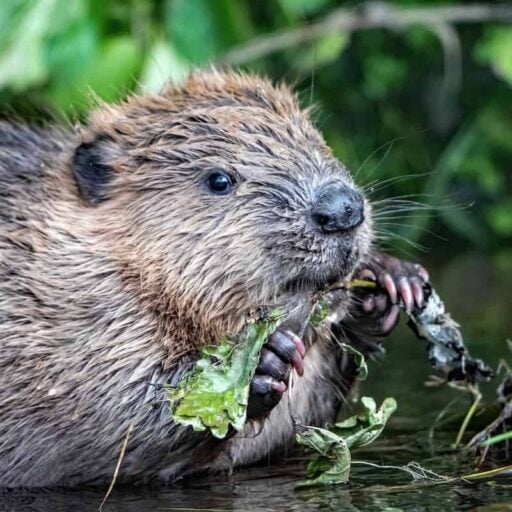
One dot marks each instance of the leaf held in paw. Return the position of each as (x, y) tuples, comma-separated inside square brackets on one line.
[(320, 312), (215, 393)]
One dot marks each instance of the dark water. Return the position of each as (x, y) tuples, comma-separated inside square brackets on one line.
[(274, 489), (262, 489), (478, 292)]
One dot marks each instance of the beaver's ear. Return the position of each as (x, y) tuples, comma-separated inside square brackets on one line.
[(91, 173)]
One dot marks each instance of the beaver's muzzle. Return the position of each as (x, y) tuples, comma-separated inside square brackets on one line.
[(338, 208)]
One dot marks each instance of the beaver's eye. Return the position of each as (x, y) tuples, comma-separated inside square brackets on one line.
[(220, 182)]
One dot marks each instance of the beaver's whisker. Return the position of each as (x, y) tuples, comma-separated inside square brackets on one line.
[(389, 147), (400, 215), (419, 228), (379, 185), (384, 235)]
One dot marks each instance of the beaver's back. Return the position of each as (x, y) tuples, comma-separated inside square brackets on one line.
[(24, 154), (70, 381)]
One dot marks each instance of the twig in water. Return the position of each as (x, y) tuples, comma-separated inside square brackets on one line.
[(436, 422), (477, 398), (488, 474), (118, 465)]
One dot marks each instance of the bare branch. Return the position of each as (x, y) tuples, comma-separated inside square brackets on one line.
[(371, 15), (452, 50)]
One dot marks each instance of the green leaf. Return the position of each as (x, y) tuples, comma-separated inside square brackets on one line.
[(360, 360), (22, 62), (196, 28), (364, 428), (114, 70), (331, 459), (163, 64), (496, 50), (320, 312), (215, 394), (322, 52)]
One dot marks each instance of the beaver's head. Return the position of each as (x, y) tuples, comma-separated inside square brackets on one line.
[(221, 195)]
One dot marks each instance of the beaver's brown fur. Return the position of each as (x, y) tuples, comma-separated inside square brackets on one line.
[(110, 284)]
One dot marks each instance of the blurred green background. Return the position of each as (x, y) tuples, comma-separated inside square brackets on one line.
[(428, 104)]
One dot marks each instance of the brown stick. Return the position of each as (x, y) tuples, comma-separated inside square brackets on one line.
[(118, 466), (373, 15)]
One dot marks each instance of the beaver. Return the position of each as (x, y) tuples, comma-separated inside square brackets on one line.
[(130, 242)]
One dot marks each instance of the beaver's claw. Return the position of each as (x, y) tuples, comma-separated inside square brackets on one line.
[(376, 311), (282, 351)]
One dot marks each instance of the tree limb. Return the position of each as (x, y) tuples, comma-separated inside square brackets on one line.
[(371, 15)]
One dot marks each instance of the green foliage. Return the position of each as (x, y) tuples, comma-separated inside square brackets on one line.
[(297, 9), (359, 359), (331, 459), (214, 395), (495, 49), (325, 51), (387, 103), (320, 312)]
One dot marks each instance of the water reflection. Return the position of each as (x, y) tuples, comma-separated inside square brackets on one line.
[(264, 490)]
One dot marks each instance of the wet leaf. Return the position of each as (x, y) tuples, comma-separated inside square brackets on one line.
[(215, 394), (360, 360), (364, 428), (320, 312), (447, 351), (331, 460)]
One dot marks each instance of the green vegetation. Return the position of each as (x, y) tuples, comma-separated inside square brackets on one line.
[(214, 395), (331, 460), (430, 99)]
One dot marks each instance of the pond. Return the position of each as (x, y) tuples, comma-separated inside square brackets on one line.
[(477, 290)]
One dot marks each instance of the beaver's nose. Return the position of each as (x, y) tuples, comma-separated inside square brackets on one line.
[(338, 208)]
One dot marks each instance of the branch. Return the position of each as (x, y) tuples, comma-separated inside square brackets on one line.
[(371, 15)]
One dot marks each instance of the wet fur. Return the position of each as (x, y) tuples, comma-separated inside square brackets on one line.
[(107, 293)]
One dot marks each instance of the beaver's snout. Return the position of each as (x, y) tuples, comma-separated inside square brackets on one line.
[(338, 208)]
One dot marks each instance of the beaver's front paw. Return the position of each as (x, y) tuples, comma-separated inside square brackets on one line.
[(282, 351), (376, 311)]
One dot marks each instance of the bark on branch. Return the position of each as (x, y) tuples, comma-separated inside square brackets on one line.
[(371, 15)]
